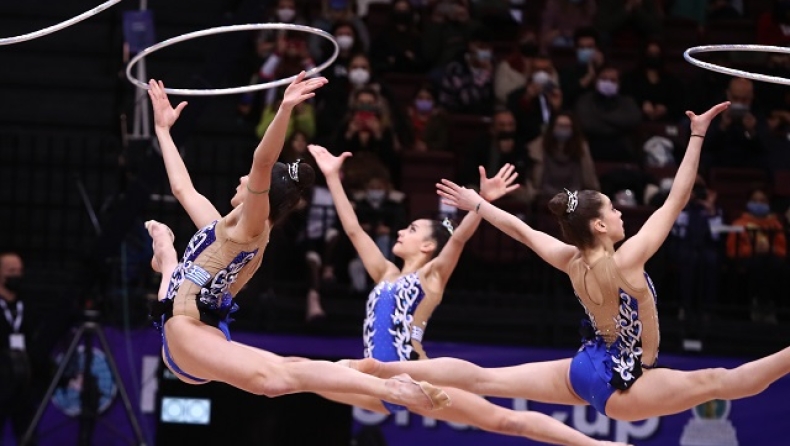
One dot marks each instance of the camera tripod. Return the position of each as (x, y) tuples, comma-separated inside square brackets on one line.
[(89, 394)]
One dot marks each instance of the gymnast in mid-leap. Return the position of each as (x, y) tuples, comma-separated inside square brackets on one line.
[(196, 294), (402, 302), (614, 370)]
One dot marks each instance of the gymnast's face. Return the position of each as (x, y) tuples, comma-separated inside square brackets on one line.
[(610, 224), (241, 192), (414, 239)]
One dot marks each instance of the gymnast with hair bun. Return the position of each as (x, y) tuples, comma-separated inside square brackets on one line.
[(196, 294), (402, 302), (615, 369)]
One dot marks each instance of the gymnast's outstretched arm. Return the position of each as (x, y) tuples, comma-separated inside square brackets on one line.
[(200, 210)]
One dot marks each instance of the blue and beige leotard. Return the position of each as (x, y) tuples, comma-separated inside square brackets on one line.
[(213, 269), (388, 329), (621, 333)]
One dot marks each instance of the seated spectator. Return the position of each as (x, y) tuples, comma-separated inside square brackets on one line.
[(773, 27), (761, 249), (493, 150), (367, 129), (723, 10), (284, 11), (514, 70), (775, 98), (332, 12), (467, 83), (398, 48), (641, 16), (736, 138), (694, 246), (580, 78), (446, 34), (561, 159), (429, 123), (561, 18), (608, 119), (535, 103), (349, 45), (658, 93)]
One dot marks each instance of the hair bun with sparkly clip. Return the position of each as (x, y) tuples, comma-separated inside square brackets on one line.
[(573, 200), (293, 170), (448, 225)]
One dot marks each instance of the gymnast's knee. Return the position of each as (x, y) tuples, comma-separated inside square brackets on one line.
[(511, 423), (272, 383)]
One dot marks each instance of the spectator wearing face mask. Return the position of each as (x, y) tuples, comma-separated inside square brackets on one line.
[(580, 78), (609, 119), (349, 45), (773, 27), (514, 71), (535, 103), (499, 146), (561, 158), (762, 250), (17, 396), (446, 33), (658, 93), (284, 11), (333, 12), (736, 138), (561, 18), (467, 83), (398, 48), (429, 124)]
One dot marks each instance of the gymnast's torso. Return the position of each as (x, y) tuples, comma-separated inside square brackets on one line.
[(213, 269), (397, 314), (622, 317)]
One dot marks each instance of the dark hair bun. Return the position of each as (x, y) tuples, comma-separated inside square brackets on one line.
[(306, 176), (558, 205)]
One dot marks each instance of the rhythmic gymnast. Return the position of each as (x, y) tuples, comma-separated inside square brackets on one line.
[(613, 371), (399, 307), (196, 295)]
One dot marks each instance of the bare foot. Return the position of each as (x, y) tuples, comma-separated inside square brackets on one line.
[(411, 393), (156, 229), (314, 309)]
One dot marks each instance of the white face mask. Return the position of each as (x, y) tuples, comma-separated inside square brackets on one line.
[(359, 76), (541, 78), (345, 42), (375, 196), (286, 14), (607, 88)]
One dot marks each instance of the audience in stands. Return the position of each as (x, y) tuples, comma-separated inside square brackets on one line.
[(398, 48), (609, 118), (616, 16), (658, 93), (467, 83), (515, 69), (561, 158), (430, 128), (773, 27), (561, 19), (332, 12), (537, 101), (736, 138), (695, 247), (445, 34), (284, 11), (761, 250), (580, 78)]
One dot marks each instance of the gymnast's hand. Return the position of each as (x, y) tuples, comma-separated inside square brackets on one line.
[(301, 90), (164, 114), (328, 163), (457, 196), (699, 124), (500, 184)]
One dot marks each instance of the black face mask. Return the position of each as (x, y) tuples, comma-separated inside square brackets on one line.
[(528, 49), (501, 136), (401, 18), (14, 284)]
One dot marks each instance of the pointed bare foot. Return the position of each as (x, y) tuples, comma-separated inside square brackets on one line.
[(156, 229), (411, 393)]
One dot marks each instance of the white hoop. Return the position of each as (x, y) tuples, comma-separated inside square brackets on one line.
[(65, 24), (731, 71), (231, 28)]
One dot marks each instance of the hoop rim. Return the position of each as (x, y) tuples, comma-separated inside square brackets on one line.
[(232, 28), (732, 71), (58, 26)]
